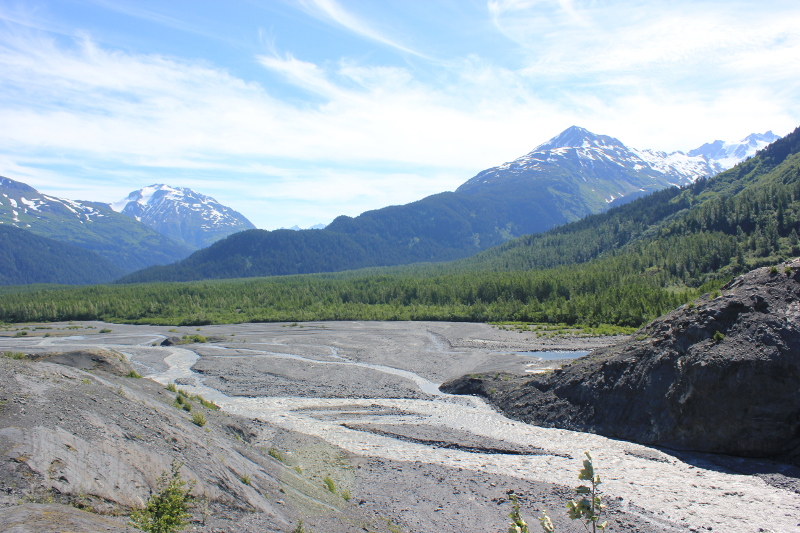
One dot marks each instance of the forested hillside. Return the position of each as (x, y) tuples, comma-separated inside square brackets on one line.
[(28, 258)]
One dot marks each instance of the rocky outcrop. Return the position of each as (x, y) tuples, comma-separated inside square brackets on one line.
[(719, 375)]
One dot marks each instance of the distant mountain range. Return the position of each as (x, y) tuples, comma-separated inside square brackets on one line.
[(93, 226), (574, 174), (182, 214)]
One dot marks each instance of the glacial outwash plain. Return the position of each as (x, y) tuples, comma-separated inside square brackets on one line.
[(338, 424)]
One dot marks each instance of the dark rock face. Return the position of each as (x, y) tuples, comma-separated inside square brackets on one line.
[(171, 341), (678, 382)]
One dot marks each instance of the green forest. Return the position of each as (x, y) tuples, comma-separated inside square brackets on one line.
[(623, 267)]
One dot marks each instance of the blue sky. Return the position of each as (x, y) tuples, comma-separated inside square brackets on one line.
[(296, 111)]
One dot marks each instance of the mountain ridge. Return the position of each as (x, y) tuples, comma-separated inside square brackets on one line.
[(542, 189)]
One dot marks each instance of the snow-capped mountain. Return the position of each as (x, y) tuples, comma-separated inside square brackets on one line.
[(728, 154), (603, 168), (21, 204), (90, 225), (182, 214)]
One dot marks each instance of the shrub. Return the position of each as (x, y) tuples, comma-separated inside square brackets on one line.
[(718, 336), (133, 374), (328, 480), (105, 330), (167, 510), (198, 419), (172, 388), (245, 479), (14, 355), (187, 407)]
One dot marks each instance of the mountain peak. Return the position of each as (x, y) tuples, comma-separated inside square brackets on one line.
[(182, 214), (577, 137)]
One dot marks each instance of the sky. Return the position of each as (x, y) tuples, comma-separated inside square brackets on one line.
[(293, 112)]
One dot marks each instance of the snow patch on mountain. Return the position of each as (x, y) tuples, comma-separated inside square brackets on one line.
[(728, 154), (182, 214)]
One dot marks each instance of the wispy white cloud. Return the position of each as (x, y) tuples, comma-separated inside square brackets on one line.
[(332, 11), (372, 135)]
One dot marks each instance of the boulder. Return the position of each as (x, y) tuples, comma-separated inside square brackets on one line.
[(721, 375)]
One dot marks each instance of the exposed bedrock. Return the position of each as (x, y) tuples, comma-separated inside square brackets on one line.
[(720, 375)]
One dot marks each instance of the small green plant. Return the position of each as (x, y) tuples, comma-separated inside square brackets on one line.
[(198, 419), (588, 509), (518, 524), (172, 388), (188, 339), (14, 355), (105, 330), (205, 403), (46, 335), (298, 469), (166, 511), (773, 270), (187, 407), (178, 400), (330, 483), (345, 494), (133, 374), (787, 270), (86, 381), (719, 336), (299, 528), (20, 333), (245, 479), (275, 454)]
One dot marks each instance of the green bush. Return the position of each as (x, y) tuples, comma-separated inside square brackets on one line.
[(133, 374), (328, 480), (719, 336), (14, 355), (172, 388), (105, 330), (167, 510), (198, 419)]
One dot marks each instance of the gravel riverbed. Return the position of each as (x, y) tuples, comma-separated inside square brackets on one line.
[(366, 393)]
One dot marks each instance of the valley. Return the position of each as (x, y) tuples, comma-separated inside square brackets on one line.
[(356, 401)]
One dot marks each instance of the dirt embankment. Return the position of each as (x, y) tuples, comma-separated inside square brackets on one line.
[(720, 375), (81, 444)]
